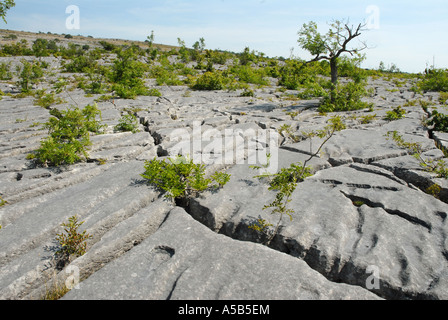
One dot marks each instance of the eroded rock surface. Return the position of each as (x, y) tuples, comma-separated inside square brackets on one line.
[(364, 226)]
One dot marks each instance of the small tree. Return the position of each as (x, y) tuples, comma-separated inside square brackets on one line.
[(331, 45)]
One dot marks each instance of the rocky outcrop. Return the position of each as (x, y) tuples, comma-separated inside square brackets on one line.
[(364, 224)]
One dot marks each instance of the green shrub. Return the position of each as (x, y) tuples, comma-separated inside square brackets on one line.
[(443, 97), (71, 241), (248, 74), (127, 75), (153, 92), (43, 47), (209, 81), (345, 97), (127, 122), (19, 48), (80, 64), (68, 137), (247, 57), (180, 178), (435, 80), (286, 180), (439, 167), (29, 74), (395, 114), (5, 73), (438, 121), (45, 100)]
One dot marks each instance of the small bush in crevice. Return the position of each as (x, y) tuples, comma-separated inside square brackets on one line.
[(395, 114), (127, 122), (345, 97), (180, 178), (71, 241), (69, 136)]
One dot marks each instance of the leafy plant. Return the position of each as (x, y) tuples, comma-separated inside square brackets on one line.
[(71, 241), (127, 122), (440, 167), (127, 75), (5, 73), (286, 180), (180, 178), (45, 100), (434, 190), (435, 80), (368, 118), (345, 97), (443, 97), (395, 114), (438, 121), (209, 81), (2, 202), (287, 131), (68, 137), (29, 74)]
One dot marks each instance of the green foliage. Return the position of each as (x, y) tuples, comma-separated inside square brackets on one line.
[(311, 40), (395, 114), (209, 81), (71, 241), (438, 121), (221, 178), (247, 57), (68, 137), (368, 118), (81, 64), (286, 180), (312, 90), (127, 122), (30, 73), (45, 100), (127, 74), (4, 7), (443, 97), (43, 47), (345, 97), (180, 178), (2, 202), (108, 46), (434, 190), (5, 73), (287, 131), (153, 92), (247, 93), (439, 167), (247, 74), (19, 48), (435, 80)]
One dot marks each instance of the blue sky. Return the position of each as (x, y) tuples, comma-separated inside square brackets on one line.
[(409, 34)]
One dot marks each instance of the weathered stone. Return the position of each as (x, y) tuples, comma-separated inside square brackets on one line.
[(185, 260)]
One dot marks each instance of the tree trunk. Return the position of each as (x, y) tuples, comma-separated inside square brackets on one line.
[(334, 78), (334, 71)]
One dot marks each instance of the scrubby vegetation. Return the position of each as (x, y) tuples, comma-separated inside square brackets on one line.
[(69, 136), (181, 178), (72, 243)]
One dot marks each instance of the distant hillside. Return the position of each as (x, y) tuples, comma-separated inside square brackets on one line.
[(7, 36)]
